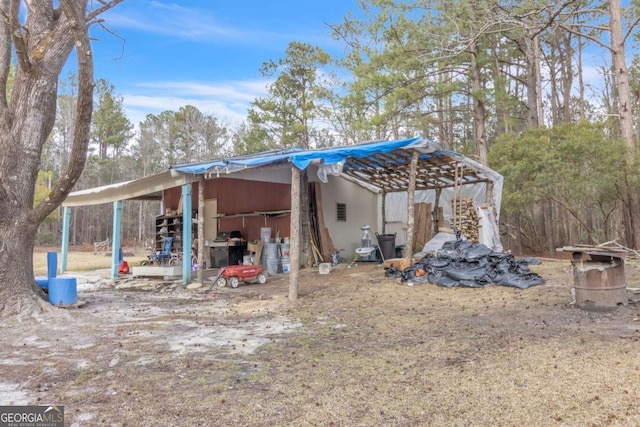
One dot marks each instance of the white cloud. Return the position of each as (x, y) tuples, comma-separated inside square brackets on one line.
[(199, 25), (203, 26), (240, 91), (171, 19), (226, 101)]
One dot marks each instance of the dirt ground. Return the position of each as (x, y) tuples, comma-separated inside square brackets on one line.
[(356, 349)]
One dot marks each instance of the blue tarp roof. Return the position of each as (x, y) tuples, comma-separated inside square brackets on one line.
[(303, 158), (384, 164), (237, 162)]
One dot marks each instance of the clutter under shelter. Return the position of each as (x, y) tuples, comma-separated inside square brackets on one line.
[(401, 193)]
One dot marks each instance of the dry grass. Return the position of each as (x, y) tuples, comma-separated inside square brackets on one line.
[(80, 260), (370, 352)]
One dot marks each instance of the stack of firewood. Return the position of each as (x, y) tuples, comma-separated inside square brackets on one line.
[(465, 218)]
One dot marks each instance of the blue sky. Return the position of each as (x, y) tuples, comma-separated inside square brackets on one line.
[(206, 53)]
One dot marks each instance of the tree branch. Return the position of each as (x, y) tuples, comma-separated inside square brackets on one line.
[(575, 214), (5, 54), (586, 36), (630, 30), (17, 35), (75, 20), (106, 5)]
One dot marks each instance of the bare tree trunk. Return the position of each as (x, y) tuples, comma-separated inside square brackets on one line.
[(478, 106), (549, 230), (533, 61), (26, 120), (554, 108), (538, 79), (625, 114), (621, 73), (518, 235), (444, 120), (566, 64), (581, 87)]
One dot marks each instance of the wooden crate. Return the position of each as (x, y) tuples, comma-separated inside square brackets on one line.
[(398, 263)]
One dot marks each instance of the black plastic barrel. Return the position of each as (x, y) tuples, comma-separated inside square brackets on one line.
[(387, 244)]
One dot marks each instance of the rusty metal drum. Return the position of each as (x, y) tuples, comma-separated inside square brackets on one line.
[(600, 283)]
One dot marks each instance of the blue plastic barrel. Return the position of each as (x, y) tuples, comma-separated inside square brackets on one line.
[(63, 290), (43, 282)]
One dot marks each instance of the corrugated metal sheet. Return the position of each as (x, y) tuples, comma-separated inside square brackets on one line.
[(276, 174), (148, 188)]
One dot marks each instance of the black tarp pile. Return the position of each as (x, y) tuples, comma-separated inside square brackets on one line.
[(467, 264)]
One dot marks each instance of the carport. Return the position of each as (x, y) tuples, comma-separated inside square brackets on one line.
[(406, 165)]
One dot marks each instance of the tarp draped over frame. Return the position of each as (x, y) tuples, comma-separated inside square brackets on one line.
[(386, 165), (387, 157), (331, 156), (329, 161)]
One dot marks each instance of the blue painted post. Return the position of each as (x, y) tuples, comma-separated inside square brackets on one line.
[(115, 249), (66, 222), (187, 237), (52, 264)]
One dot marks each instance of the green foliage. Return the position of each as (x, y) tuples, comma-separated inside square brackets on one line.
[(196, 136), (287, 115), (182, 136), (110, 131), (42, 190), (250, 139), (110, 126), (572, 164)]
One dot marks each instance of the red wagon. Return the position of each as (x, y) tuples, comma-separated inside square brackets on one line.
[(234, 274)]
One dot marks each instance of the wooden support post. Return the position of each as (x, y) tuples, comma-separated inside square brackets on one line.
[(294, 240), (411, 195), (384, 211), (489, 196), (436, 212)]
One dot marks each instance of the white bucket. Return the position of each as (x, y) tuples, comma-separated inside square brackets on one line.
[(286, 264), (246, 260), (324, 268)]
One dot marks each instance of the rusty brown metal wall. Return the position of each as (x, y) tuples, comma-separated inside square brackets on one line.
[(239, 196)]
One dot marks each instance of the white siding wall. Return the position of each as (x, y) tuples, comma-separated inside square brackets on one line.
[(363, 207)]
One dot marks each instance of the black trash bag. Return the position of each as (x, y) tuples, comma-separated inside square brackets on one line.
[(467, 264), (392, 272), (477, 252), (521, 281), (417, 280), (437, 263)]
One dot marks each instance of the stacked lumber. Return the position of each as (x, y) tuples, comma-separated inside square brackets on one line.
[(465, 218)]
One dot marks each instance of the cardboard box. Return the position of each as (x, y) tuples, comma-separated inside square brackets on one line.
[(254, 246), (398, 263)]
